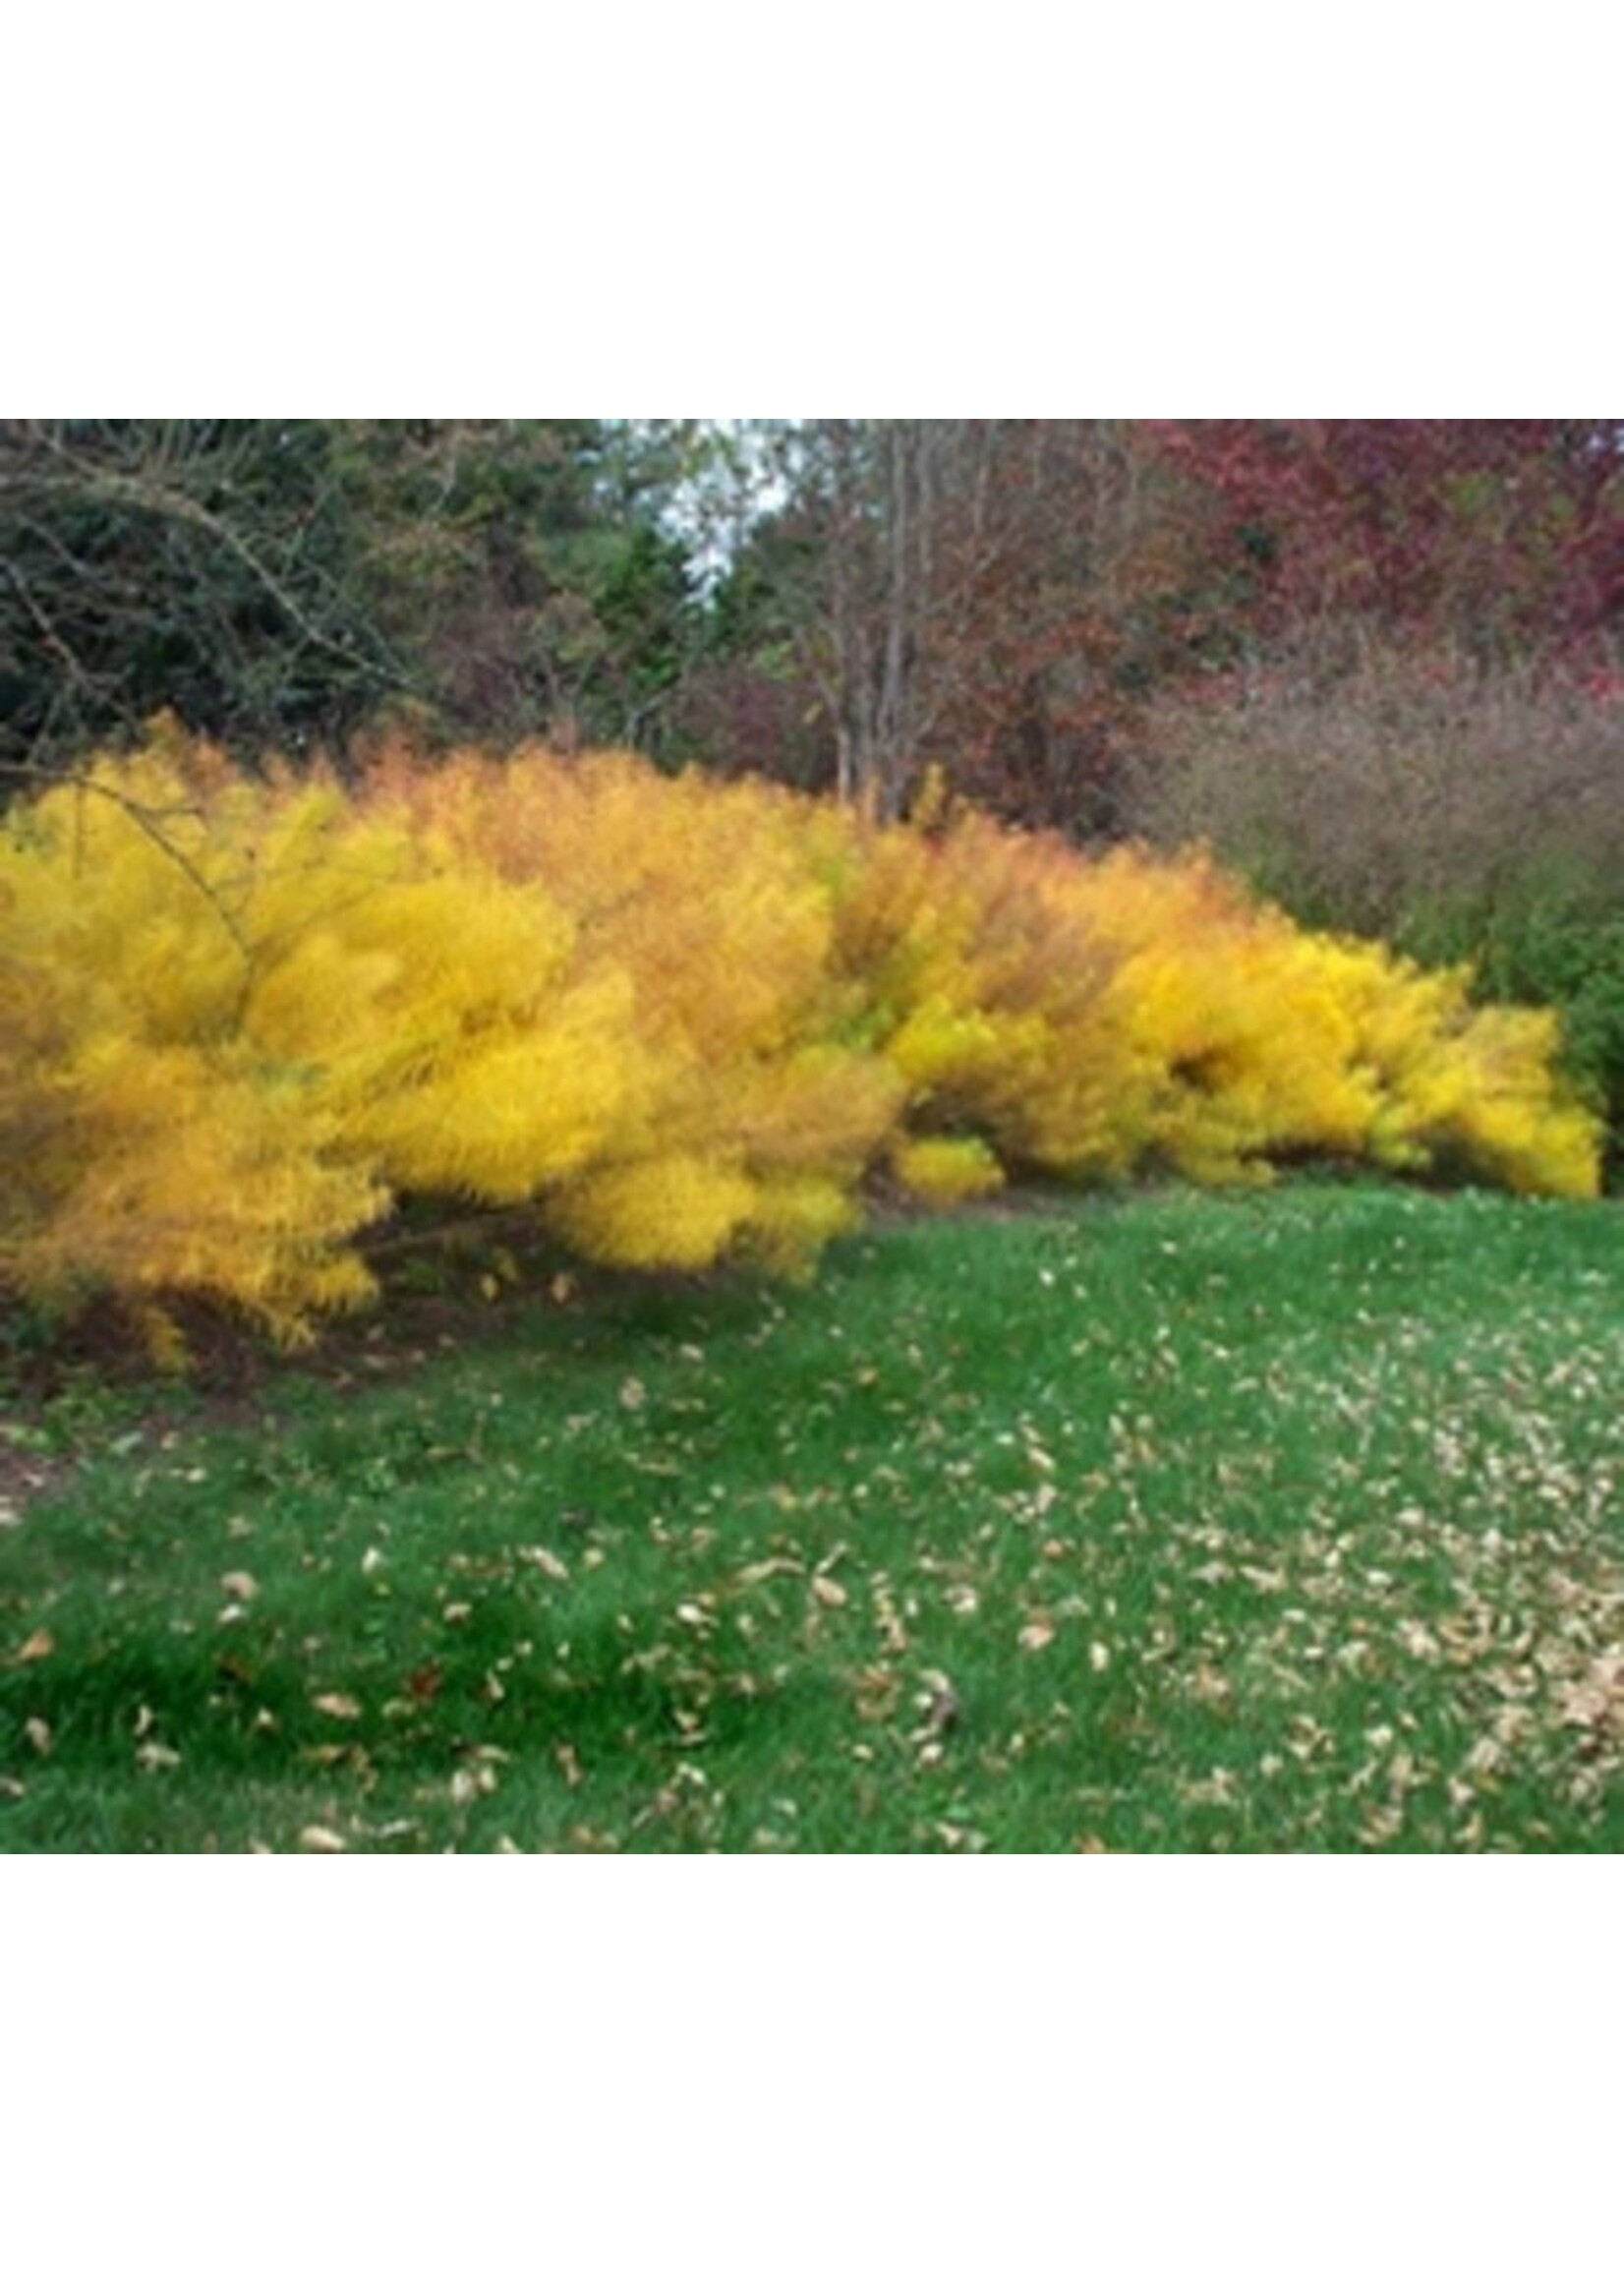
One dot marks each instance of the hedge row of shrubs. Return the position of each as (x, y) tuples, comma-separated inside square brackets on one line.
[(241, 1017)]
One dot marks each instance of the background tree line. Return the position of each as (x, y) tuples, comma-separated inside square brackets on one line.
[(841, 602)]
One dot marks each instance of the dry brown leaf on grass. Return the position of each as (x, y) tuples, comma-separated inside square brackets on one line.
[(317, 1840), (40, 1645), (774, 1567), (938, 1702), (341, 1707), (1596, 1702), (553, 1566), (241, 1586), (876, 1689)]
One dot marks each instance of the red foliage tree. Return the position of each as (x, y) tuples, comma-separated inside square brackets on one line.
[(1501, 533)]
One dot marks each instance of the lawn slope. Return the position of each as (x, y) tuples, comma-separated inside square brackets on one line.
[(1280, 1521)]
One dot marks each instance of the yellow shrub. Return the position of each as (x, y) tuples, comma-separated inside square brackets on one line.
[(240, 1015), (706, 901), (674, 1210), (942, 1171), (1086, 1017)]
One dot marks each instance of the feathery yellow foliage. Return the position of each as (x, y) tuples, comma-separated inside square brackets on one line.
[(240, 1015), (942, 1172)]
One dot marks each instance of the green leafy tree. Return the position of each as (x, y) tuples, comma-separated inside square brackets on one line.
[(279, 582), (207, 565)]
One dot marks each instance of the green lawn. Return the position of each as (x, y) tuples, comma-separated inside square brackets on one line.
[(1279, 1521)]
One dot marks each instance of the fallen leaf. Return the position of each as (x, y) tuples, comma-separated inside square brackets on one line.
[(894, 1635), (319, 1841), (241, 1586), (564, 1755), (829, 1592), (1036, 1635), (544, 1560), (154, 1756), (1597, 1699), (775, 1565), (633, 1395), (40, 1645), (876, 1688), (338, 1705), (38, 1734)]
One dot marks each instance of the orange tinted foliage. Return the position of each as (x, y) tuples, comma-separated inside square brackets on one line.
[(240, 1017)]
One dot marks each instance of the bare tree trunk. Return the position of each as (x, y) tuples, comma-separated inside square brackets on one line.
[(879, 556)]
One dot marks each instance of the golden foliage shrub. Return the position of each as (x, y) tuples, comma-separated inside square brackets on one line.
[(1089, 1017), (240, 1015), (146, 1144), (756, 1109)]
